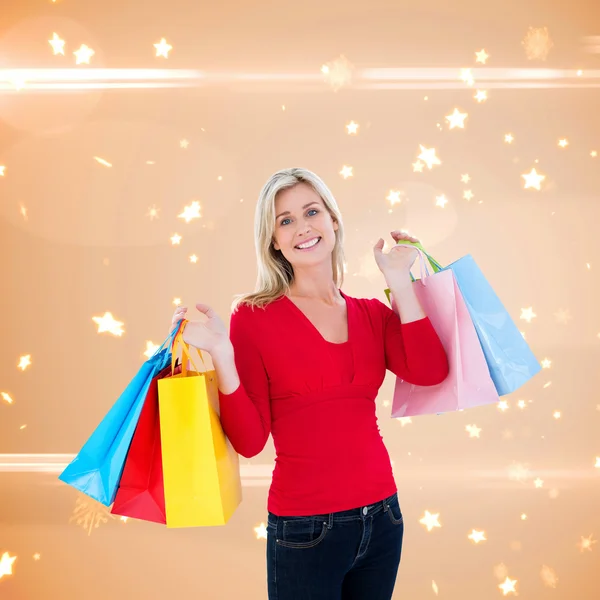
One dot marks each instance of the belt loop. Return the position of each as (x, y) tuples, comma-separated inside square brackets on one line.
[(330, 521)]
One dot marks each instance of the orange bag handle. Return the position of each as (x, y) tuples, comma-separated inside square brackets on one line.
[(185, 352)]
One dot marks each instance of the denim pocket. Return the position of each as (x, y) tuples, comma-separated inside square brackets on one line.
[(302, 533), (394, 512)]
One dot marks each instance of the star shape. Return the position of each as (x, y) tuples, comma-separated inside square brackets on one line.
[(457, 119), (428, 156), (6, 563), (261, 532), (58, 45), (467, 194), (394, 197), (508, 138), (533, 179), (481, 56), (346, 172), (83, 55), (430, 521), (352, 128), (162, 48), (508, 586), (473, 430), (563, 143), (441, 201), (465, 178), (176, 239), (480, 95), (2, 167), (477, 536), (24, 362), (527, 314), (545, 362), (190, 212), (108, 323), (597, 465), (151, 349), (418, 167)]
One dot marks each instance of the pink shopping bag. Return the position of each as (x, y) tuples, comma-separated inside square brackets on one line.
[(469, 383)]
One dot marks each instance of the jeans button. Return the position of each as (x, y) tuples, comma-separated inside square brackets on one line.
[(365, 510)]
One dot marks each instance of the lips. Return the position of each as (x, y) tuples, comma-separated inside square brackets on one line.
[(307, 241)]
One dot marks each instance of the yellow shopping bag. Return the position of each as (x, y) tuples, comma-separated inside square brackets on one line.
[(200, 467)]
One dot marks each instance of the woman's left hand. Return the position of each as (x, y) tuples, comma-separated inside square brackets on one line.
[(400, 258)]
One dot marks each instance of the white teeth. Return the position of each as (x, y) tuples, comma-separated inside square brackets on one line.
[(309, 244)]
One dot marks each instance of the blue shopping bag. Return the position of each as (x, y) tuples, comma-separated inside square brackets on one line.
[(96, 470), (509, 358)]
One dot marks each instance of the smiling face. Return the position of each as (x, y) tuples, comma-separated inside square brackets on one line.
[(301, 216)]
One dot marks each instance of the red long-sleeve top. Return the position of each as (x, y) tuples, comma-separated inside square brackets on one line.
[(317, 399)]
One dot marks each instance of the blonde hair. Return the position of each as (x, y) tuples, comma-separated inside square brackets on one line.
[(275, 273)]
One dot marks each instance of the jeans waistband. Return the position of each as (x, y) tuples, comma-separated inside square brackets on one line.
[(351, 514)]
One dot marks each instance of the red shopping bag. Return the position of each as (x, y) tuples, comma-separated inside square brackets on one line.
[(141, 492)]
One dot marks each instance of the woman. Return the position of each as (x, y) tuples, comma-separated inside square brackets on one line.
[(304, 362)]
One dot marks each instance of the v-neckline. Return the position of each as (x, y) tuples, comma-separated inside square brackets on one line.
[(312, 326)]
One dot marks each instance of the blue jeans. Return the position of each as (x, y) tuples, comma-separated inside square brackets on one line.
[(347, 555)]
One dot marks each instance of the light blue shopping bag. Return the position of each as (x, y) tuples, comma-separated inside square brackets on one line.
[(96, 470), (509, 358)]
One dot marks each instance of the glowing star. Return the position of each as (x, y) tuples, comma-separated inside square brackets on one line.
[(521, 404), (563, 143), (394, 197), (428, 156), (24, 362), (2, 168), (6, 397), (594, 153), (441, 201), (556, 414), (473, 430), (527, 314), (538, 483), (193, 259), (184, 144), (108, 323), (477, 536), (502, 405), (457, 119), (153, 212), (352, 128), (6, 563), (37, 556), (83, 55), (587, 543), (465, 178), (261, 532), (190, 212), (597, 465), (58, 45), (468, 195), (150, 349), (176, 239), (481, 56), (346, 172), (404, 420), (467, 76), (546, 362), (509, 138), (508, 586), (162, 48), (537, 43), (430, 521), (418, 167), (177, 301), (480, 95)]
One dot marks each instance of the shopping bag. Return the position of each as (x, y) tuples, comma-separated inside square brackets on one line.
[(510, 360), (96, 469), (468, 383), (200, 467), (141, 492)]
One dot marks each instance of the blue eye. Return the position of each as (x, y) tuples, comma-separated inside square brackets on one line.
[(309, 210)]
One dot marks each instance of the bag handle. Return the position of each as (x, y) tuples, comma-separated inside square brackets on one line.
[(185, 352), (423, 257)]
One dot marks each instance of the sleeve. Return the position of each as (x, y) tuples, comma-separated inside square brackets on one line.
[(246, 412), (413, 351)]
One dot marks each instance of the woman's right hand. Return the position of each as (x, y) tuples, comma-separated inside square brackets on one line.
[(209, 335)]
